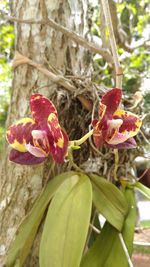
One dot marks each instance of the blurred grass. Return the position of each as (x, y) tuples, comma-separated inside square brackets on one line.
[(144, 249), (145, 224), (141, 249)]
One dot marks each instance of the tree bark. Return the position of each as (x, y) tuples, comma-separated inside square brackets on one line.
[(20, 185)]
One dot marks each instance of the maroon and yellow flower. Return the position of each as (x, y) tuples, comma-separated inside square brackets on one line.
[(33, 140), (115, 127)]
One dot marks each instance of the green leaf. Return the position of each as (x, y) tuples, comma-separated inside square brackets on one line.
[(99, 252), (109, 201), (67, 223), (143, 189), (20, 248), (96, 224), (129, 225), (107, 251), (125, 20)]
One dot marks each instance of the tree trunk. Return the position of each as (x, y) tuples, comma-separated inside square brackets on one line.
[(20, 185)]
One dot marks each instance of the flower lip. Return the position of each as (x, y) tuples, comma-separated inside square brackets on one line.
[(36, 151), (114, 124), (117, 138), (38, 134), (40, 140)]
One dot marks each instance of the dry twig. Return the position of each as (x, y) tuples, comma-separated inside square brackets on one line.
[(59, 79), (20, 59), (105, 53), (112, 40)]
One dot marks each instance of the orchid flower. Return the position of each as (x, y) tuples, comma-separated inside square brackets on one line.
[(33, 140), (115, 127)]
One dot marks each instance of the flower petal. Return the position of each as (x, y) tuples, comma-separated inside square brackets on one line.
[(59, 152), (114, 124), (102, 111), (58, 139), (19, 134), (40, 140), (131, 122), (112, 100), (98, 136), (54, 126), (128, 144), (24, 158), (117, 138), (94, 122), (55, 130), (41, 107), (36, 151)]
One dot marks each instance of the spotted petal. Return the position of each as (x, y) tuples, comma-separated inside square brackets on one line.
[(59, 153), (58, 139), (131, 123), (102, 111), (57, 134), (19, 134), (112, 100), (41, 107), (24, 158), (98, 136), (94, 122)]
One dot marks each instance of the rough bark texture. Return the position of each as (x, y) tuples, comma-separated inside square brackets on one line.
[(20, 185)]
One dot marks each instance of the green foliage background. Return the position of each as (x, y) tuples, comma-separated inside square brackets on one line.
[(134, 17)]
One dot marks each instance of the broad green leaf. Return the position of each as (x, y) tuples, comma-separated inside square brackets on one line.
[(143, 189), (93, 235), (109, 201), (67, 223), (99, 252), (108, 251), (20, 248), (129, 225)]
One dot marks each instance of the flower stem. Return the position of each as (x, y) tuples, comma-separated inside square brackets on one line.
[(82, 139), (125, 250), (116, 163), (71, 162), (112, 40)]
